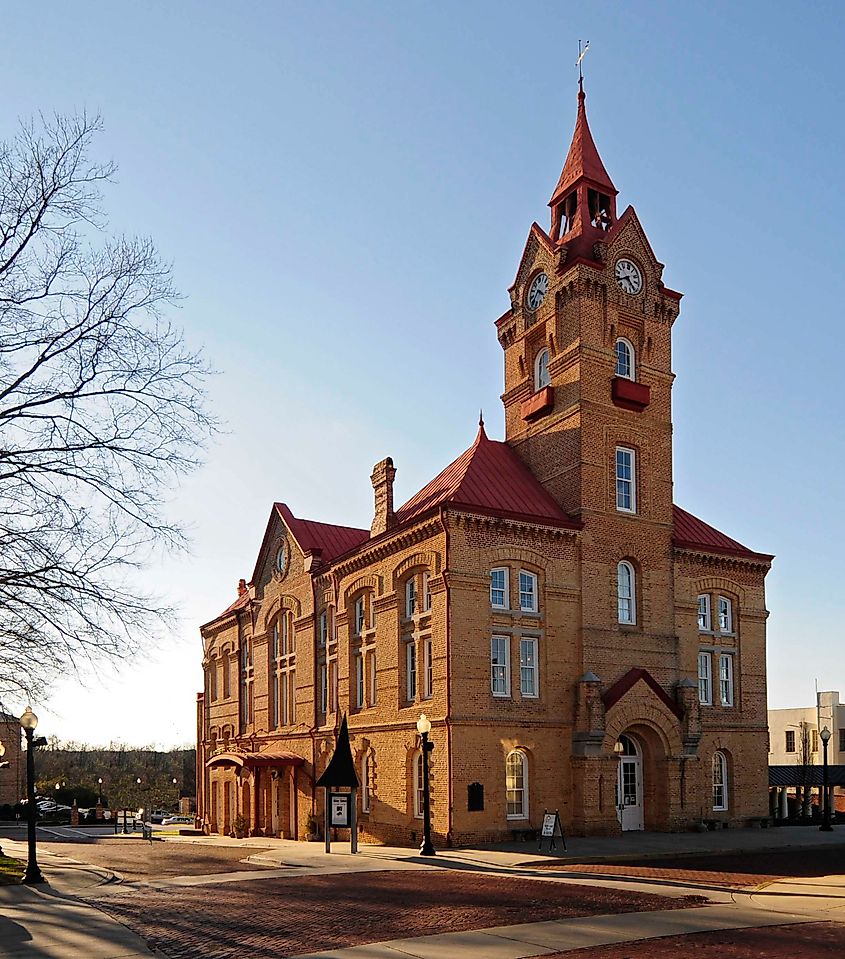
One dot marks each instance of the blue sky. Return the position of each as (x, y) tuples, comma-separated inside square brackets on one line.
[(344, 190)]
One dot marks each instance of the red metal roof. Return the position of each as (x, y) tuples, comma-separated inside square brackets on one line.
[(326, 538), (583, 160), (610, 697), (690, 532), (491, 478)]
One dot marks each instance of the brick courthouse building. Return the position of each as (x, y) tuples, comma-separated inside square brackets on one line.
[(578, 641)]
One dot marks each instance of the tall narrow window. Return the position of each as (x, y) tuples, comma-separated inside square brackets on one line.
[(359, 615), (282, 695), (411, 671), (212, 680), (324, 687), (705, 680), (500, 680), (726, 616), (324, 627), (626, 494), (720, 781), (275, 645), (790, 741), (541, 370), (528, 684), (726, 679), (625, 359), (516, 784), (426, 592), (499, 588), (428, 669), (704, 622), (410, 597), (419, 785), (626, 593), (366, 785), (359, 680), (527, 592), (275, 717)]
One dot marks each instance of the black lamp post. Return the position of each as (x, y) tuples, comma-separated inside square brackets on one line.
[(32, 876), (176, 790), (100, 791), (825, 826), (424, 728)]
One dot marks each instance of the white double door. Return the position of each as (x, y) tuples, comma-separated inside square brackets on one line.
[(629, 792)]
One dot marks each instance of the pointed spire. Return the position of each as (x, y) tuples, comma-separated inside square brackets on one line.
[(583, 161), (481, 435)]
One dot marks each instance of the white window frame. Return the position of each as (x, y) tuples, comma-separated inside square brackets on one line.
[(705, 679), (428, 669), (419, 785), (530, 579), (631, 374), (626, 593), (410, 597), (726, 679), (359, 614), (720, 781), (496, 589), (520, 791), (789, 737), (373, 677), (324, 628), (426, 592), (626, 487), (726, 615), (275, 714), (500, 670), (359, 679), (282, 693), (542, 378), (705, 623), (411, 670), (324, 687), (529, 669)]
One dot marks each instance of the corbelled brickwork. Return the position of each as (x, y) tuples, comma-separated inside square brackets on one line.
[(577, 642)]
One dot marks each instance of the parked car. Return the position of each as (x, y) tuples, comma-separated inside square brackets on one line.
[(157, 815), (178, 820)]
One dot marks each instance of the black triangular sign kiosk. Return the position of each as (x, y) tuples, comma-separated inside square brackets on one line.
[(550, 829), (341, 808)]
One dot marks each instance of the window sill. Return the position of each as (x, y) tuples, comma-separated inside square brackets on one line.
[(501, 695)]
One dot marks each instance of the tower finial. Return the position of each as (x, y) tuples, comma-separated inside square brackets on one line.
[(481, 419), (581, 55)]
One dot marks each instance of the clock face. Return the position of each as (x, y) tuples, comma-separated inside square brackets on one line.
[(628, 276), (537, 291)]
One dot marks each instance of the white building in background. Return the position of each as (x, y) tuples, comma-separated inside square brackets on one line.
[(785, 732)]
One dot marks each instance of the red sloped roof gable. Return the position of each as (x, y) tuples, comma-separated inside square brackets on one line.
[(491, 478), (326, 538), (690, 532), (583, 160)]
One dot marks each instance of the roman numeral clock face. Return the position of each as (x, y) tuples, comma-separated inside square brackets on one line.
[(628, 276), (537, 291)]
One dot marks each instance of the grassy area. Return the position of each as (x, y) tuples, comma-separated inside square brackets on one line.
[(11, 870)]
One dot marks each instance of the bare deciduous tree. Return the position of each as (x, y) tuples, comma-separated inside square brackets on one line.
[(102, 408)]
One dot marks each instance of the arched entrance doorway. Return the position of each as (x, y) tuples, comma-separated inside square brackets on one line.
[(629, 784)]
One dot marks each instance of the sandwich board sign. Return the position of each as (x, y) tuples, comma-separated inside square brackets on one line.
[(551, 830)]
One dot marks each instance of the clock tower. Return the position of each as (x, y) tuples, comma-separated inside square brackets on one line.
[(588, 380)]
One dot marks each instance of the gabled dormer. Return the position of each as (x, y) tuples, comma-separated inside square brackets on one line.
[(584, 201)]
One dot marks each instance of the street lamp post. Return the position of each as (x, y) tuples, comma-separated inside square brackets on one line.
[(825, 826), (176, 790), (32, 876), (424, 728), (100, 791)]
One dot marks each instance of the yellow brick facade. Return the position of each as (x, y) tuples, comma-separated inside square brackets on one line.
[(581, 685)]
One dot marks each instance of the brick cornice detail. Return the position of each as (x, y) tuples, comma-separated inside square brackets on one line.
[(689, 556), (523, 527), (402, 540)]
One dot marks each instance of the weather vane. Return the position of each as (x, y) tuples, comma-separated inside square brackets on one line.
[(581, 55)]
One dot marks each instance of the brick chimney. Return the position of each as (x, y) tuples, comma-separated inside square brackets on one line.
[(241, 587), (382, 479)]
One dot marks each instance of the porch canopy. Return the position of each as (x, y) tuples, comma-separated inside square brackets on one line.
[(255, 760), (806, 775)]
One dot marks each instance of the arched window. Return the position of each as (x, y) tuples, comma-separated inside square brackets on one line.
[(626, 593), (419, 790), (625, 359), (541, 370), (720, 781), (516, 784)]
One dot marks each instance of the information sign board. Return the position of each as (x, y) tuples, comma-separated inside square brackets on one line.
[(339, 810)]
